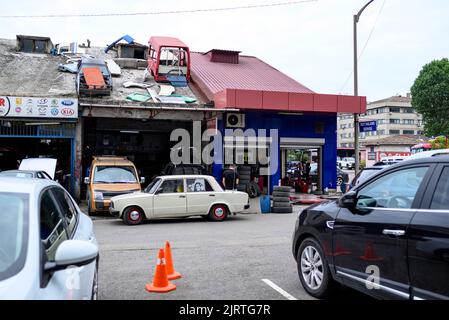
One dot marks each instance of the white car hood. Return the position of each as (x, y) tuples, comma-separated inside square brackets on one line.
[(41, 164)]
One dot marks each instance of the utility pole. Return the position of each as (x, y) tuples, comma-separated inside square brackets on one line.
[(356, 89)]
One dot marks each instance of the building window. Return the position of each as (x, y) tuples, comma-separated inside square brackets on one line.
[(408, 121), (380, 132), (395, 131), (408, 110), (395, 121), (408, 132), (395, 109)]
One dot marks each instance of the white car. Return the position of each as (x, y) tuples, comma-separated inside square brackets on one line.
[(346, 163), (179, 196), (48, 250)]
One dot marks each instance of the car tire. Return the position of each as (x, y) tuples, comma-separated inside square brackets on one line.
[(281, 205), (94, 295), (133, 216), (252, 190), (281, 199), (218, 213), (282, 189), (328, 285), (282, 210), (281, 194), (242, 187)]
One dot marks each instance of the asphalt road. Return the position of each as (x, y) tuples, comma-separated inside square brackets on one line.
[(218, 261)]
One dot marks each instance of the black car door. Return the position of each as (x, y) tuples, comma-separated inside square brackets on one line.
[(428, 247), (370, 239)]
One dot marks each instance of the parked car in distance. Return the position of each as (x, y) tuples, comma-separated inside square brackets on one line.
[(25, 174), (84, 88), (178, 197), (388, 237), (341, 175), (46, 243), (110, 176), (430, 153), (347, 163)]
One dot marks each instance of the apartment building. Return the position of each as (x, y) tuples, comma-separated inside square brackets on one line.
[(394, 116)]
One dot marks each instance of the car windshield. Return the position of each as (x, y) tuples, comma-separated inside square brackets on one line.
[(16, 174), (115, 174), (152, 187), (13, 233)]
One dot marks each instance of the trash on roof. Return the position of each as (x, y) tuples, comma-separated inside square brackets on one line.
[(185, 98), (94, 78), (127, 38), (130, 84), (177, 81), (166, 90), (113, 67), (139, 97), (174, 100), (69, 67), (153, 95)]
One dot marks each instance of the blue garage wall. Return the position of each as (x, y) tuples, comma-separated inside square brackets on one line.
[(296, 126)]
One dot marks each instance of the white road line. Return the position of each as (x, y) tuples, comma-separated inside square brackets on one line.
[(279, 289)]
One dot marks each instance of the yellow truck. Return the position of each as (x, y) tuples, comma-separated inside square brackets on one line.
[(110, 176)]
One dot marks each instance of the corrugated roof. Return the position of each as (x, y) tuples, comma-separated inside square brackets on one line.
[(403, 139), (167, 42), (395, 99), (249, 74)]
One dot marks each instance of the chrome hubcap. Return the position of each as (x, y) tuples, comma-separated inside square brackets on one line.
[(134, 215), (312, 268)]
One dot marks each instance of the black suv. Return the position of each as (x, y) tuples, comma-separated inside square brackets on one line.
[(388, 237)]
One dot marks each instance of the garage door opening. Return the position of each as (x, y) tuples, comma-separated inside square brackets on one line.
[(13, 150), (146, 143)]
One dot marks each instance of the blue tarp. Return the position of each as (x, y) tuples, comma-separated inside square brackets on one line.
[(127, 38)]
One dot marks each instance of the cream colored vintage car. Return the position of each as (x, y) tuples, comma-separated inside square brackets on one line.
[(177, 197)]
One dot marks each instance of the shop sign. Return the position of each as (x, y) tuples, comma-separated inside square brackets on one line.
[(368, 126), (47, 108)]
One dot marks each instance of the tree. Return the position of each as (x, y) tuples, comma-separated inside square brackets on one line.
[(430, 97)]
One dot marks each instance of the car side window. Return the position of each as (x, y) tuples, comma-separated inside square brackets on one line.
[(69, 211), (440, 200), (199, 185), (52, 227), (394, 190), (172, 186)]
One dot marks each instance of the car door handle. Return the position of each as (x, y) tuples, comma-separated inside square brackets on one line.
[(212, 195), (182, 197), (396, 233)]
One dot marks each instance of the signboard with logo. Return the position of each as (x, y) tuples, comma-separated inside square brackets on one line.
[(53, 108), (368, 126)]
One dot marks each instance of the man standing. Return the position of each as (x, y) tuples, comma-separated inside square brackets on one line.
[(230, 178)]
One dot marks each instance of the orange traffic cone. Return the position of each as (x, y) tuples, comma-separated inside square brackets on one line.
[(160, 283), (171, 273), (370, 255)]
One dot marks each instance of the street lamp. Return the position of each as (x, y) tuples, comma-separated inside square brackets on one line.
[(356, 89)]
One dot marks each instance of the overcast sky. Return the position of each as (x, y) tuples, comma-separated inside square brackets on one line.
[(311, 42)]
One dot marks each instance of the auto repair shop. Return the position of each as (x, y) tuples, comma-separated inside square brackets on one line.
[(38, 107)]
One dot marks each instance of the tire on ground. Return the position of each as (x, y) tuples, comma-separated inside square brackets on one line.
[(218, 213), (282, 210), (281, 199), (329, 285), (282, 189), (281, 205), (281, 194)]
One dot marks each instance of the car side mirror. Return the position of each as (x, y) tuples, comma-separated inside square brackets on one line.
[(142, 180), (72, 253), (86, 180), (348, 200)]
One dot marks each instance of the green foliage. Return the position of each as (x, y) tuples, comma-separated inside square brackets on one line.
[(430, 97), (362, 164), (440, 142)]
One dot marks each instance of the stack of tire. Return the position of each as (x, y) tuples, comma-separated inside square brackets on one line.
[(245, 183), (281, 200)]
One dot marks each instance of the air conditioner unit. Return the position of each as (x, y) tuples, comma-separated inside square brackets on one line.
[(235, 120)]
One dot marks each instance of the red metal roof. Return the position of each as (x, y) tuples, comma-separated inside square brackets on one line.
[(253, 84), (167, 42), (250, 73)]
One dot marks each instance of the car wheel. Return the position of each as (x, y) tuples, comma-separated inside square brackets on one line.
[(94, 295), (218, 212), (339, 181), (313, 270), (133, 216)]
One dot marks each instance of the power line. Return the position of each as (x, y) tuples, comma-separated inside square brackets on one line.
[(277, 4), (364, 47)]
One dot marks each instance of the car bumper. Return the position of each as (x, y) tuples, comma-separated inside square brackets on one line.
[(114, 212)]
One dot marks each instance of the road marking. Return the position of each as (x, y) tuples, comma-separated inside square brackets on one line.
[(279, 289)]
